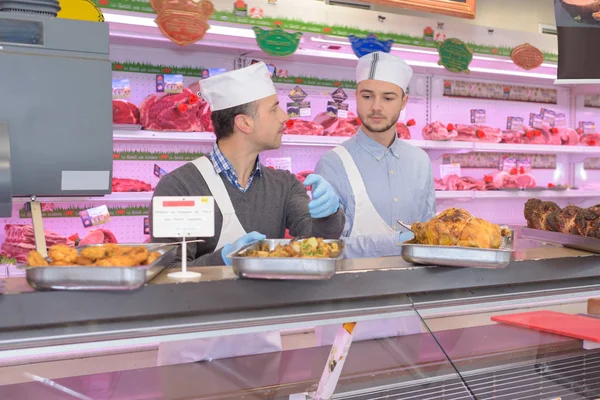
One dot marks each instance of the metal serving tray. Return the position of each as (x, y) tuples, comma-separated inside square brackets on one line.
[(453, 256), (100, 278), (565, 239), (285, 268)]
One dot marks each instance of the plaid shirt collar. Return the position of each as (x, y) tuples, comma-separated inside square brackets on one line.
[(222, 165)]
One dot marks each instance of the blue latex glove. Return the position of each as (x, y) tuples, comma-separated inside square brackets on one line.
[(245, 240), (325, 201), (404, 236)]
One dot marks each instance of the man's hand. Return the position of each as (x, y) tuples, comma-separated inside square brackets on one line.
[(245, 240), (325, 201)]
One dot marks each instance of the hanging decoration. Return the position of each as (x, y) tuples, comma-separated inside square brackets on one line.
[(183, 21), (527, 56), (277, 42), (368, 45), (455, 55)]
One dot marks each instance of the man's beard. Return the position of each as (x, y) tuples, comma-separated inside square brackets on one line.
[(365, 122)]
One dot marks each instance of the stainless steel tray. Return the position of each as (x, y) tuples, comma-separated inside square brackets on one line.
[(100, 278), (453, 256), (285, 268), (565, 239)]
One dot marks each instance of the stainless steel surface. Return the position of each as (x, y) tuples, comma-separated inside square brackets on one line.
[(301, 268), (5, 172), (453, 256), (99, 278), (564, 239)]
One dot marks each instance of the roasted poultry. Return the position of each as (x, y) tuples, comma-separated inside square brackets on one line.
[(548, 216), (456, 227)]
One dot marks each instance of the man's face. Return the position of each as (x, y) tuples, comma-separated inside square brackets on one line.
[(269, 123), (379, 104)]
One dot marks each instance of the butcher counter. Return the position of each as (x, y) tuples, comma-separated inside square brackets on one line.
[(458, 353)]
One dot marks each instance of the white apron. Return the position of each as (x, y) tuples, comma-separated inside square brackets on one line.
[(186, 351), (367, 221)]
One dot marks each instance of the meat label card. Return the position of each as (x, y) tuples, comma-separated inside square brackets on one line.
[(176, 217), (449, 169), (280, 163), (121, 88), (94, 216)]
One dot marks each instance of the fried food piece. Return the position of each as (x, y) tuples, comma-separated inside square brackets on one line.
[(60, 264), (117, 261), (35, 259), (155, 255), (138, 254), (62, 253), (83, 261), (98, 253)]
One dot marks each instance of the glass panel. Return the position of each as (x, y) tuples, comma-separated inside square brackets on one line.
[(502, 361)]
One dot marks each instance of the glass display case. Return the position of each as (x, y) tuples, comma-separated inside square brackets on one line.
[(422, 332)]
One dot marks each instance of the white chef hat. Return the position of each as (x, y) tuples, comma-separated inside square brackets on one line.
[(237, 87), (384, 67)]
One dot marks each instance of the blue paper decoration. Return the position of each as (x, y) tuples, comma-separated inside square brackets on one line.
[(368, 45)]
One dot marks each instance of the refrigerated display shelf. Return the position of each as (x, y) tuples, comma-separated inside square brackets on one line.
[(145, 197), (332, 141)]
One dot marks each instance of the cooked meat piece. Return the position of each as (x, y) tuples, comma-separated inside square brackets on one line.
[(548, 216), (456, 227), (536, 213)]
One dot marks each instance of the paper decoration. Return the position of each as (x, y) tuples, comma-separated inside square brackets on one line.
[(183, 22), (527, 56), (455, 55), (277, 42), (368, 45)]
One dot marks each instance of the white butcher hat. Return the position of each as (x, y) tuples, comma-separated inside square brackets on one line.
[(238, 87), (385, 67)]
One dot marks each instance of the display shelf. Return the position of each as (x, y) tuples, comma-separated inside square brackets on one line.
[(331, 141), (508, 194), (146, 197), (126, 197)]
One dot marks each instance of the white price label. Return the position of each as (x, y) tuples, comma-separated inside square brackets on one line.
[(305, 112), (174, 217), (449, 169), (342, 113), (280, 163)]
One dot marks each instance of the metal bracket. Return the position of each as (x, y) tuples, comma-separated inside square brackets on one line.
[(38, 226), (5, 172)]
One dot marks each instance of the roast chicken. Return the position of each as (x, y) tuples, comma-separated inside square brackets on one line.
[(456, 227), (548, 216)]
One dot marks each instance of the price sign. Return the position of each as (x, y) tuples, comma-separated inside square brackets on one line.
[(174, 217), (280, 163), (94, 216), (449, 169)]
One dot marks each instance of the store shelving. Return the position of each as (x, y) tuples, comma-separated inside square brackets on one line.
[(331, 141), (146, 197)]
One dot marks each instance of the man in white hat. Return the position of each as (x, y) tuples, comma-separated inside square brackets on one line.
[(252, 202), (380, 179)]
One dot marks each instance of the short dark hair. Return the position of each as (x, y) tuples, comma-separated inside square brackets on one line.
[(224, 120)]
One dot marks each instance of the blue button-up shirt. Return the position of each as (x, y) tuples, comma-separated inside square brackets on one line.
[(222, 165), (399, 182)]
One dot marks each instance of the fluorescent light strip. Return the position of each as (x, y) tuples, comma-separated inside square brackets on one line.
[(149, 22), (248, 33), (431, 52)]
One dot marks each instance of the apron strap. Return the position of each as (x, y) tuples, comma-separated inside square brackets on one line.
[(356, 181), (215, 184)]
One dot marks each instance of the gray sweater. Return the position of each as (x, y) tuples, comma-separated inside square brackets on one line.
[(276, 200)]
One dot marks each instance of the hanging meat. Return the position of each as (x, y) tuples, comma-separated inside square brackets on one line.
[(456, 227), (546, 215)]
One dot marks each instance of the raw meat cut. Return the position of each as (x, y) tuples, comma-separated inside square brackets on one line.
[(130, 185), (98, 236), (204, 115), (505, 180), (334, 126), (171, 112), (437, 131), (20, 241), (402, 131), (125, 112), (582, 6), (525, 181), (568, 136), (455, 182), (592, 139), (302, 127), (478, 133)]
